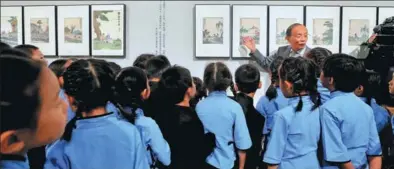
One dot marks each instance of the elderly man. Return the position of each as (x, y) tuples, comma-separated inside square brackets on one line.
[(296, 35)]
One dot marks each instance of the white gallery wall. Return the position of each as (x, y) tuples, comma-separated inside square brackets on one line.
[(142, 18)]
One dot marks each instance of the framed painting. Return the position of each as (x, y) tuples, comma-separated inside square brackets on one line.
[(73, 31), (357, 27), (279, 21), (385, 12), (212, 31), (323, 24), (12, 25), (249, 21), (108, 31), (40, 28)]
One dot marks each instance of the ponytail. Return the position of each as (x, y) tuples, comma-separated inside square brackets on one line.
[(71, 125), (271, 92), (316, 98), (300, 104)]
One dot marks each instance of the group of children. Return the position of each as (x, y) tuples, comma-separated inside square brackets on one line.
[(321, 111)]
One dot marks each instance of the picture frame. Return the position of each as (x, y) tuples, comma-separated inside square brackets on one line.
[(385, 12), (357, 27), (12, 25), (73, 30), (249, 21), (323, 24), (279, 21), (40, 28), (212, 37), (108, 31)]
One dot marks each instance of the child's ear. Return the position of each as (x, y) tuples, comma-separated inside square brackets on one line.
[(331, 81), (260, 85), (289, 86), (10, 143), (145, 94), (359, 90), (71, 102), (61, 81)]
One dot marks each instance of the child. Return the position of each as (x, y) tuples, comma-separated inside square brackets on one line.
[(115, 67), (273, 100), (4, 46), (317, 55), (31, 112), (247, 81), (367, 91), (33, 51), (58, 67), (296, 129), (154, 68), (349, 135), (132, 88), (223, 117), (201, 92), (179, 122), (141, 60), (95, 138)]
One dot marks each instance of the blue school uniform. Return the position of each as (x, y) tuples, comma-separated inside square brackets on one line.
[(324, 92), (381, 115), (224, 117), (99, 142), (294, 137), (153, 139), (14, 162), (348, 130), (267, 108)]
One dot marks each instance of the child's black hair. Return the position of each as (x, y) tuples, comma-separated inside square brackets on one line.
[(301, 73), (346, 71), (16, 52), (115, 67), (201, 91), (371, 84), (247, 78), (217, 77), (141, 60), (19, 97), (58, 67), (164, 58), (156, 66), (129, 84), (271, 92), (317, 55), (91, 83), (27, 48), (174, 82), (4, 46)]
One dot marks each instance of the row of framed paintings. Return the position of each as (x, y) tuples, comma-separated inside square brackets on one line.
[(67, 31), (339, 29)]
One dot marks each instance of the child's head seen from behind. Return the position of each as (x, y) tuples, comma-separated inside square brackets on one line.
[(341, 72), (177, 84), (217, 77), (32, 113), (247, 79), (297, 78)]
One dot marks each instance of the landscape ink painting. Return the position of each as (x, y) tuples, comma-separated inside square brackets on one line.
[(73, 30), (212, 30), (108, 30), (323, 32), (358, 31), (281, 26), (250, 27), (9, 30), (39, 30)]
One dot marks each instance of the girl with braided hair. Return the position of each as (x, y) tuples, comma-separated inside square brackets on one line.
[(95, 138), (296, 130), (132, 89)]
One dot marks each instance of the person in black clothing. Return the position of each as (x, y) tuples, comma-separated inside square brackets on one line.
[(180, 124), (201, 92), (247, 81)]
